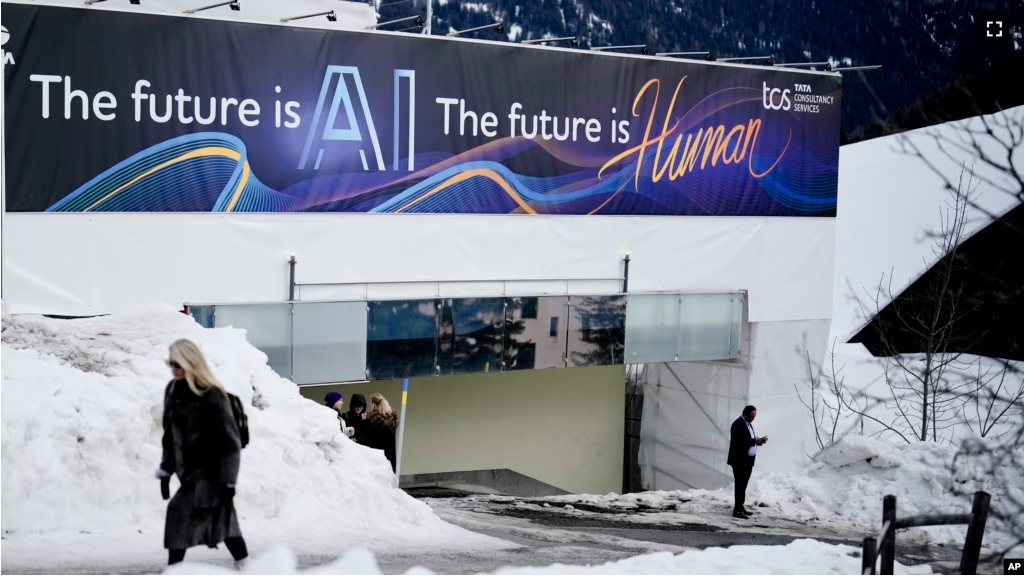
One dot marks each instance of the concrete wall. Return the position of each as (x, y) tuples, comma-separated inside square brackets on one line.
[(561, 426)]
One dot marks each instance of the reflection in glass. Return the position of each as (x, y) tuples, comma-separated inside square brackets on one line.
[(401, 338), (652, 328), (532, 335), (470, 339), (597, 332), (203, 315), (708, 323), (268, 328), (329, 342)]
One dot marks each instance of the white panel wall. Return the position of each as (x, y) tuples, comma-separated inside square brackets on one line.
[(100, 263), (689, 407)]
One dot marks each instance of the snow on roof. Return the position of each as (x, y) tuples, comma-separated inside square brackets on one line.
[(889, 200), (352, 15)]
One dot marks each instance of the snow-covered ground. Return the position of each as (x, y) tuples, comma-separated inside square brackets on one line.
[(80, 440), (81, 430), (798, 557), (843, 489)]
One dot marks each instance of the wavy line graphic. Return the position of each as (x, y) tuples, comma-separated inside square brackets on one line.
[(210, 172)]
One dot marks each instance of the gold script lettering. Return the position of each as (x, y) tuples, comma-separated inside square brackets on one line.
[(713, 143)]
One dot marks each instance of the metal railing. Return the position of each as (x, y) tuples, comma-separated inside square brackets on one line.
[(883, 547), (294, 286)]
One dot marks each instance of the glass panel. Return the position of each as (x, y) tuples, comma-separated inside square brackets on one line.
[(203, 315), (268, 327), (329, 342), (535, 333), (401, 338), (707, 324), (652, 328), (597, 330), (471, 335)]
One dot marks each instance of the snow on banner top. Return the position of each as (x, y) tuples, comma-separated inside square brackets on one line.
[(317, 120)]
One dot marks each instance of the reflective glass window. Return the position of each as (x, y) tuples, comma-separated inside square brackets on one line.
[(401, 338), (471, 333), (597, 330), (533, 338)]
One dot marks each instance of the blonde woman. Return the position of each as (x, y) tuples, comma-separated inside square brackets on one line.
[(378, 431), (202, 446)]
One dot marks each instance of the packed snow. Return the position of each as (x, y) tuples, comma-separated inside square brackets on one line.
[(798, 557), (844, 488), (81, 438)]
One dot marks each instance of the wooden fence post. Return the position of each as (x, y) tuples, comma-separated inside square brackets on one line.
[(973, 540), (868, 556), (888, 546)]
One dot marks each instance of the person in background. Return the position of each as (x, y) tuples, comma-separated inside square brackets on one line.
[(356, 415), (203, 447), (336, 401), (378, 430), (743, 448)]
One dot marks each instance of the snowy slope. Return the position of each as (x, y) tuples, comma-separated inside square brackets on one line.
[(81, 434), (798, 557), (351, 15), (843, 490)]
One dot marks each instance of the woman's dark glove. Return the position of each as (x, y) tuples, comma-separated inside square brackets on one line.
[(227, 492)]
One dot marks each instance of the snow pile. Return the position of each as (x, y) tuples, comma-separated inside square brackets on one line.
[(798, 557), (844, 488), (81, 432), (849, 479)]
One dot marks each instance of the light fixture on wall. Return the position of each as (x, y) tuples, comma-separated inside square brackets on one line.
[(826, 65), (767, 60), (416, 20), (233, 4), (642, 47), (571, 39), (330, 14), (705, 55), (498, 26), (858, 68)]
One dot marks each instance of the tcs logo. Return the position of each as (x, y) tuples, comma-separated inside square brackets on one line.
[(774, 98)]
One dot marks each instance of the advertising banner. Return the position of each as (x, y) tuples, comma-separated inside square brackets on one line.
[(110, 111)]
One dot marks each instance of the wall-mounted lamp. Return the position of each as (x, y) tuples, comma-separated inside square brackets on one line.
[(416, 20), (233, 4), (330, 16), (571, 39), (642, 47), (498, 26), (705, 55)]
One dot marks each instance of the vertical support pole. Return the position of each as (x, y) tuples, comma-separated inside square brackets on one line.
[(291, 278), (887, 548), (626, 272), (868, 556), (430, 17), (973, 540), (402, 431)]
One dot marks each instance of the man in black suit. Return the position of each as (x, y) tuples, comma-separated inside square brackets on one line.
[(743, 448)]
